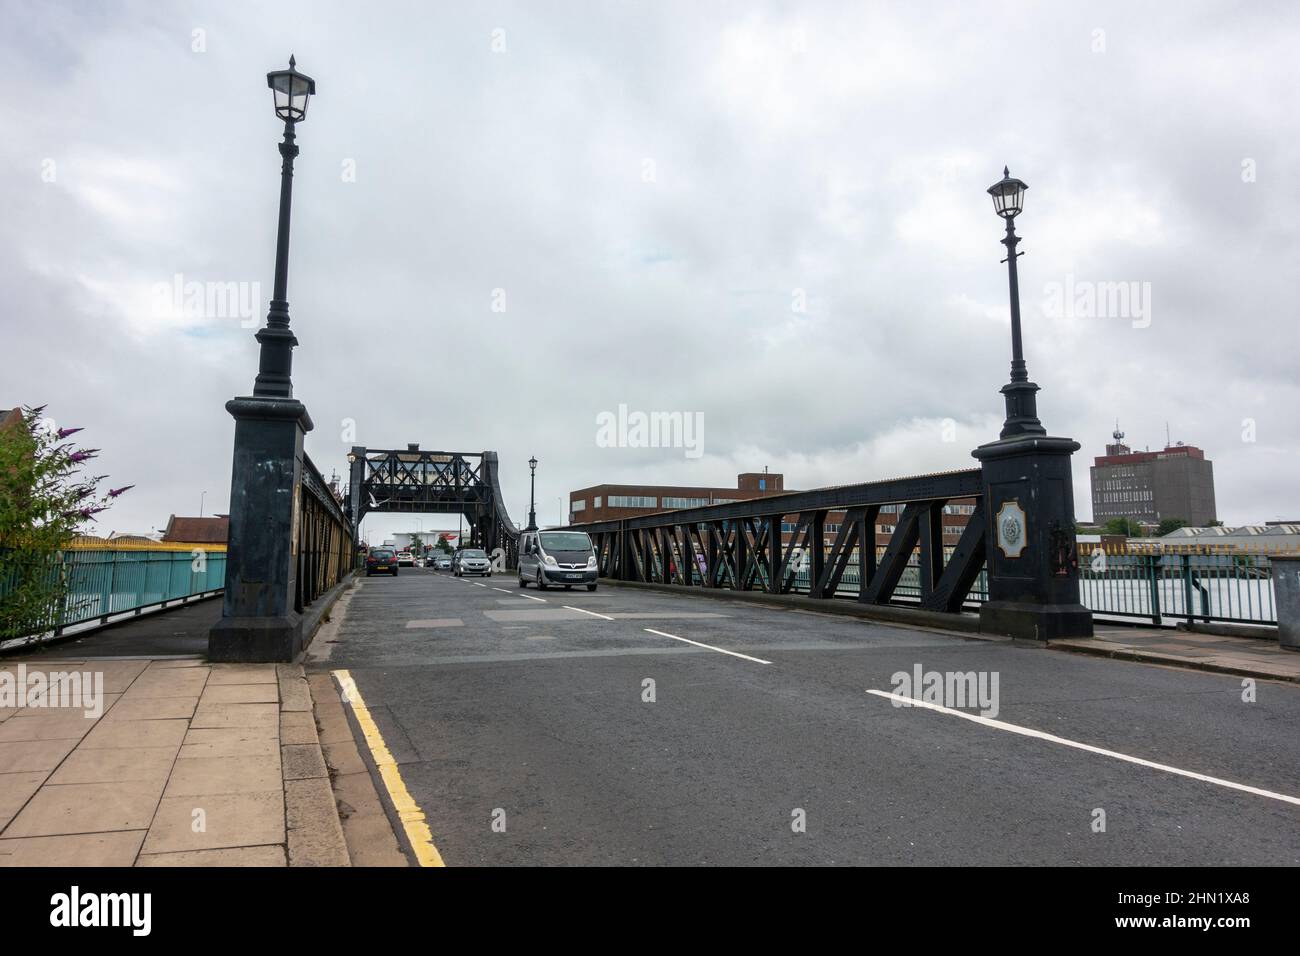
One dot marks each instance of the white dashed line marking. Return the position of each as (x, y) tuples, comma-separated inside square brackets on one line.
[(582, 611), (756, 660), (1052, 738)]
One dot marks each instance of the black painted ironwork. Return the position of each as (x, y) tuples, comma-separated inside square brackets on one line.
[(415, 481), (741, 546), (324, 537)]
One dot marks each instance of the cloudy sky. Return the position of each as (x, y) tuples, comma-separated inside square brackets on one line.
[(510, 218)]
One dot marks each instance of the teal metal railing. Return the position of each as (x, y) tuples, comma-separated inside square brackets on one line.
[(103, 583), (1165, 587)]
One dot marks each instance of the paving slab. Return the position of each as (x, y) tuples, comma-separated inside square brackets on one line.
[(297, 727), (87, 808), (315, 834), (15, 790), (241, 694), (136, 733), (242, 674), (153, 708), (303, 761), (23, 755), (46, 725), (200, 776), (85, 849), (110, 765), (229, 742), (236, 715), (168, 682), (217, 821), (272, 855)]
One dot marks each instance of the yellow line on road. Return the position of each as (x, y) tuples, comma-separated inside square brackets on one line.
[(408, 811)]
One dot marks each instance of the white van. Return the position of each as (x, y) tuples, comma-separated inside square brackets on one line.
[(557, 557)]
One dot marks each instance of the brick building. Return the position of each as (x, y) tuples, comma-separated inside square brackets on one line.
[(1150, 486), (615, 502)]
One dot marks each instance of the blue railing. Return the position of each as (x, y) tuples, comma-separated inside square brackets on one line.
[(1165, 587), (103, 583)]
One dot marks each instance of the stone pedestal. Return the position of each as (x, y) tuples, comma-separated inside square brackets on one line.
[(1032, 561), (260, 620)]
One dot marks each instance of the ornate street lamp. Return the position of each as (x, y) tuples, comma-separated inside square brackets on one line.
[(261, 619), (1027, 505), (1022, 413), (291, 91), (532, 494)]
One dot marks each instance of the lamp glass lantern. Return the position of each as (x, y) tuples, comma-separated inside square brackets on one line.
[(292, 91), (1008, 195), (532, 463)]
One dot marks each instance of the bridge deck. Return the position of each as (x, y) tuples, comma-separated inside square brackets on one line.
[(528, 708)]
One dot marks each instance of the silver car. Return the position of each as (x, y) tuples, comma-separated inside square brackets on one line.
[(471, 561)]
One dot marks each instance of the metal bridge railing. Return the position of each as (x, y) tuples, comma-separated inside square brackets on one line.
[(103, 582), (779, 544), (326, 551), (1190, 584)]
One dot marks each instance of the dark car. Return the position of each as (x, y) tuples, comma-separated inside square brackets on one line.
[(381, 560)]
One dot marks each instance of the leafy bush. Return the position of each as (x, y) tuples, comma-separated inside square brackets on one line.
[(45, 501)]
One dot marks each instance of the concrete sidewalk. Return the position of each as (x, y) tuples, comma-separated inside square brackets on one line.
[(189, 764), (1242, 656)]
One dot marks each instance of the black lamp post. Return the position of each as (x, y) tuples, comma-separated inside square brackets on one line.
[(1027, 507), (292, 90), (1022, 413), (532, 494), (261, 617)]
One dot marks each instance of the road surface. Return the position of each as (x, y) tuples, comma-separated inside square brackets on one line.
[(524, 727)]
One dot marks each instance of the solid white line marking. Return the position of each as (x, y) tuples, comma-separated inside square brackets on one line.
[(1052, 738), (502, 590), (756, 660), (477, 585), (531, 598), (582, 611)]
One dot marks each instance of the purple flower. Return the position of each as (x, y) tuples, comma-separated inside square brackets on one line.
[(117, 491), (79, 456), (63, 433)]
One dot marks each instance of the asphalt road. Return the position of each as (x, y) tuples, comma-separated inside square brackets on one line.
[(502, 705)]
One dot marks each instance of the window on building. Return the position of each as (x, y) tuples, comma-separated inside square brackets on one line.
[(685, 502), (596, 503), (579, 505), (633, 501)]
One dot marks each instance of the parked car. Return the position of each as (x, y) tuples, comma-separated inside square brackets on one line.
[(557, 557), (406, 559), (381, 560), (471, 561)]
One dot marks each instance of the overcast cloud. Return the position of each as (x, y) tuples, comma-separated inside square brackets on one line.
[(656, 187)]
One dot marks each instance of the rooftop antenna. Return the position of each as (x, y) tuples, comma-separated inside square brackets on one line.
[(1167, 441)]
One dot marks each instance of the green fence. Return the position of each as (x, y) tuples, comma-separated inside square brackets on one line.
[(105, 583), (1168, 587)]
